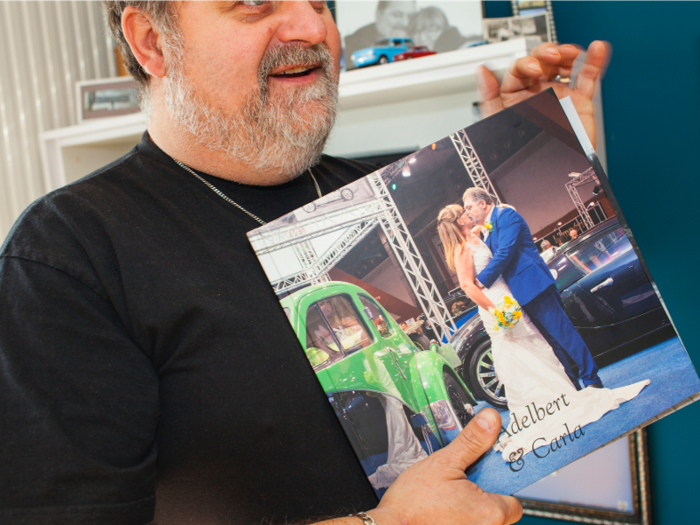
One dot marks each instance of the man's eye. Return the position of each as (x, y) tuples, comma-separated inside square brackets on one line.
[(255, 3)]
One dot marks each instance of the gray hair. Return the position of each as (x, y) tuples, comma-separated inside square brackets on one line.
[(477, 194)]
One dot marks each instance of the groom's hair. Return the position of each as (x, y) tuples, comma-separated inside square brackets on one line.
[(477, 194)]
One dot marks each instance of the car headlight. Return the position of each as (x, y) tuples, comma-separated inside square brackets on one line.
[(442, 412)]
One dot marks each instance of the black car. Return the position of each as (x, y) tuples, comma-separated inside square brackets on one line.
[(606, 294), (461, 310)]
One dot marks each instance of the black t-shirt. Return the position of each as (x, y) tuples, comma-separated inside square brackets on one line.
[(145, 360)]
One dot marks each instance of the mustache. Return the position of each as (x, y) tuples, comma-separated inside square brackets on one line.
[(295, 54)]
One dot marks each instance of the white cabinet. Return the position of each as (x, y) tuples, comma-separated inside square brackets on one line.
[(393, 108)]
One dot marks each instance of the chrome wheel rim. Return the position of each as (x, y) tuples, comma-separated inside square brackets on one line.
[(488, 380)]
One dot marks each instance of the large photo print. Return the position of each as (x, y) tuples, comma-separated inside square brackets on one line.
[(489, 269)]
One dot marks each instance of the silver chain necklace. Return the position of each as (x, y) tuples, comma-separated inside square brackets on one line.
[(229, 199)]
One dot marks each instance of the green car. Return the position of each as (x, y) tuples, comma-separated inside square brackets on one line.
[(362, 358)]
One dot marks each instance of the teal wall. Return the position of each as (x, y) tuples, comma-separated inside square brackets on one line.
[(651, 98)]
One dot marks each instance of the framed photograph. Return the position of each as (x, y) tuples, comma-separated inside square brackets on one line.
[(531, 26), (435, 25), (536, 7), (609, 486), (377, 281), (107, 97)]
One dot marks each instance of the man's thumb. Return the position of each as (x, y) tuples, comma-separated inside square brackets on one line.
[(473, 441)]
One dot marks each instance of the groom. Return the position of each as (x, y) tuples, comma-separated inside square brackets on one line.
[(517, 260)]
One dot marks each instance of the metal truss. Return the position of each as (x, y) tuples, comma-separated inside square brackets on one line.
[(472, 163), (318, 271), (288, 236), (411, 262), (357, 221), (585, 178)]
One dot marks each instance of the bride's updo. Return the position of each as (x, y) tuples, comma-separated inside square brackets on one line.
[(450, 232)]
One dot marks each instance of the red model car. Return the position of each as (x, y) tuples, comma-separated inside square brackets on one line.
[(418, 51)]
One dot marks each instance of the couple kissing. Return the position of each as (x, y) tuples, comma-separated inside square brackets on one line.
[(490, 248)]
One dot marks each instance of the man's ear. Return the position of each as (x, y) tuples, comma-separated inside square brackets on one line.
[(143, 40)]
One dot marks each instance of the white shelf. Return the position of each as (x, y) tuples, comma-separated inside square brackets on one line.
[(395, 107), (435, 75)]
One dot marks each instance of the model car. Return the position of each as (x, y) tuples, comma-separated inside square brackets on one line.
[(606, 294), (365, 363), (416, 52), (382, 52)]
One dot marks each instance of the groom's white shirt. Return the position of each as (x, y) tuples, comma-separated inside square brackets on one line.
[(487, 220)]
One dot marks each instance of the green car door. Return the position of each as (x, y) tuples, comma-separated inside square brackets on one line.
[(347, 350)]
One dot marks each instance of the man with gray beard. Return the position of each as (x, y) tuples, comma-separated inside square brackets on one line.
[(148, 373)]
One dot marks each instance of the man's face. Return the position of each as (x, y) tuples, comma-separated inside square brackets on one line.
[(477, 210), (395, 20), (256, 80)]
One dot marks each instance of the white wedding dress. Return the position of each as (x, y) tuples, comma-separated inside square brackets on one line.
[(542, 402)]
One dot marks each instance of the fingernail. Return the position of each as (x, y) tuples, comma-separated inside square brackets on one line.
[(534, 67), (486, 419)]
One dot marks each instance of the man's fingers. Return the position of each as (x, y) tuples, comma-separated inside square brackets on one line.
[(489, 92), (591, 69), (521, 74), (567, 54), (476, 438), (511, 508)]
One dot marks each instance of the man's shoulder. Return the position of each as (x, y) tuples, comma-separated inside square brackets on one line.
[(507, 214), (64, 216)]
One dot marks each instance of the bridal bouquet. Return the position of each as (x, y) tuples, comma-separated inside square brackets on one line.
[(507, 313)]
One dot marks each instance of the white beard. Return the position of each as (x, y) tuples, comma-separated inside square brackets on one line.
[(274, 132)]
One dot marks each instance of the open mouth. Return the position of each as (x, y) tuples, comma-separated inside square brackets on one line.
[(293, 72)]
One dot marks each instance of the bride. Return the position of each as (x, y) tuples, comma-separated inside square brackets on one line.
[(544, 405)]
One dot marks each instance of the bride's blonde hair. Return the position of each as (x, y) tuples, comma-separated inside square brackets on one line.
[(450, 232)]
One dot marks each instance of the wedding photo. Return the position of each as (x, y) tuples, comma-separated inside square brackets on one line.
[(491, 268)]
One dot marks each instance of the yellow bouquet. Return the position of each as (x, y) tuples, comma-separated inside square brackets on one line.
[(506, 314)]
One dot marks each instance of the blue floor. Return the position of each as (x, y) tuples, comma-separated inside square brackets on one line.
[(673, 379)]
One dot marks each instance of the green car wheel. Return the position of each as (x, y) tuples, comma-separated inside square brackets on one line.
[(421, 342), (458, 399)]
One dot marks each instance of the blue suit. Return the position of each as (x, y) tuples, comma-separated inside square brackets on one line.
[(517, 260)]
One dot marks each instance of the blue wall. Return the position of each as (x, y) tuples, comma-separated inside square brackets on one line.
[(651, 98)]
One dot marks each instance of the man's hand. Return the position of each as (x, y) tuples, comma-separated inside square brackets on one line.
[(436, 490), (532, 74)]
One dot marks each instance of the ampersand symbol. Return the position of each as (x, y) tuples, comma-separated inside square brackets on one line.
[(516, 458)]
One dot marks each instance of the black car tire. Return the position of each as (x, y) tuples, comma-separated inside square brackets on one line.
[(458, 398), (421, 342), (383, 60), (480, 370)]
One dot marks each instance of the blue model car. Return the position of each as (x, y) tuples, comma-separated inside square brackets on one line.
[(382, 52)]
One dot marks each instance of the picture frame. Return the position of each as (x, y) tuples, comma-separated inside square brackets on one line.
[(550, 497), (535, 26), (438, 25), (532, 7), (106, 97)]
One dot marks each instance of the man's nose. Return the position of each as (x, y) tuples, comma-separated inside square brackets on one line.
[(302, 23)]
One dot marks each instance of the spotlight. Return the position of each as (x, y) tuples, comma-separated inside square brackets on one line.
[(393, 186), (412, 160), (406, 170), (597, 190), (591, 204), (574, 175), (433, 146)]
